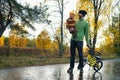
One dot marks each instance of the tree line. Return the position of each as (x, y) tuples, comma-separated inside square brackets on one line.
[(104, 21)]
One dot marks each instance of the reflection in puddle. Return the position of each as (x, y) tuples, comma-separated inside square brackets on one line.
[(110, 71), (94, 76)]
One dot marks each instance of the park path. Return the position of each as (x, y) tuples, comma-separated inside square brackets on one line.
[(109, 71)]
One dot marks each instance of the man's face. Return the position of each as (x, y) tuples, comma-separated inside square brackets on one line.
[(80, 15)]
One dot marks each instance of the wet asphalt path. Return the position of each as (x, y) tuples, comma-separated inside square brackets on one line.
[(109, 71)]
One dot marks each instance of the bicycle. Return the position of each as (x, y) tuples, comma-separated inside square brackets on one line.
[(94, 61)]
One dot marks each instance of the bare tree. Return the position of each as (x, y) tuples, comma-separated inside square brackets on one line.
[(97, 6), (61, 25), (59, 10)]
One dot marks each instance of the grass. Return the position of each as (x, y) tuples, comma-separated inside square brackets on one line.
[(8, 62), (20, 57), (110, 57)]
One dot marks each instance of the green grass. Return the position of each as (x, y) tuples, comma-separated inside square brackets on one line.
[(110, 57), (8, 62)]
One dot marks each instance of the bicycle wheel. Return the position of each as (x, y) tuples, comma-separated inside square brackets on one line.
[(98, 65)]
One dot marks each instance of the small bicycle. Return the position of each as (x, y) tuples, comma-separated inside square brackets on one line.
[(94, 61)]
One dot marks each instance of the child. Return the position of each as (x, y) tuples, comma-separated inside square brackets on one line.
[(70, 24)]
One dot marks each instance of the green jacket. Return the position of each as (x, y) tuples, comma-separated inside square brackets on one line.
[(82, 28)]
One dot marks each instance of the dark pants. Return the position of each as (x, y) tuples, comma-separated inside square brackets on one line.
[(73, 46)]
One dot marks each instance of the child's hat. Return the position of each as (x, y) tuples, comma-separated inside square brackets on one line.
[(71, 13)]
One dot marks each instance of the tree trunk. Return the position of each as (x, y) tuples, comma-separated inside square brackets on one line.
[(1, 20), (61, 45), (97, 5), (4, 24)]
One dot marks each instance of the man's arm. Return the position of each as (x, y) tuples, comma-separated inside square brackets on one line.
[(87, 29)]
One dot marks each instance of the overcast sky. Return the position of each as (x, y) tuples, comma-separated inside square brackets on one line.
[(69, 7)]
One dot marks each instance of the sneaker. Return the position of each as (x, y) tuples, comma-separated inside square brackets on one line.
[(81, 70), (70, 70), (81, 75), (78, 67)]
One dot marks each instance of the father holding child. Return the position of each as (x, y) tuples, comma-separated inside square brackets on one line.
[(79, 30)]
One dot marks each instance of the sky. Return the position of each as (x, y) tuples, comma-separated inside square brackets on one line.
[(39, 27)]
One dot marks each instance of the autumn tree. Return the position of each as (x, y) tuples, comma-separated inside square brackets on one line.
[(60, 6), (15, 41), (55, 47), (97, 6), (56, 36), (1, 41), (18, 36), (6, 41), (31, 43), (58, 11), (43, 40), (111, 32), (111, 44), (116, 25), (114, 29), (98, 16), (56, 41), (11, 11), (117, 35)]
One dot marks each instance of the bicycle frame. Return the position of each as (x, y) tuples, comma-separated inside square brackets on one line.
[(94, 61), (91, 60)]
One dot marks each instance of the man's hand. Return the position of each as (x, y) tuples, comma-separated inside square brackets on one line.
[(88, 45)]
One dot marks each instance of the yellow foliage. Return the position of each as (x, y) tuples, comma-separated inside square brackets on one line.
[(99, 24), (1, 41), (43, 40), (84, 5), (16, 38), (108, 40), (55, 45), (22, 42), (17, 41)]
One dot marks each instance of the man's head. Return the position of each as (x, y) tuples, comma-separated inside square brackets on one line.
[(82, 13)]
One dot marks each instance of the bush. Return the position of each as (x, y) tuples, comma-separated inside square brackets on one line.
[(33, 52)]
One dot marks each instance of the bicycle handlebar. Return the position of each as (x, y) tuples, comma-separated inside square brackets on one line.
[(92, 52), (98, 52)]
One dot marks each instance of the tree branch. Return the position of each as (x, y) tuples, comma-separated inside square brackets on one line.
[(9, 15)]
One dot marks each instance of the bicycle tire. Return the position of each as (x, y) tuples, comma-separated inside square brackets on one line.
[(98, 65)]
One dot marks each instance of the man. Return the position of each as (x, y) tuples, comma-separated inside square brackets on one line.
[(82, 28)]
